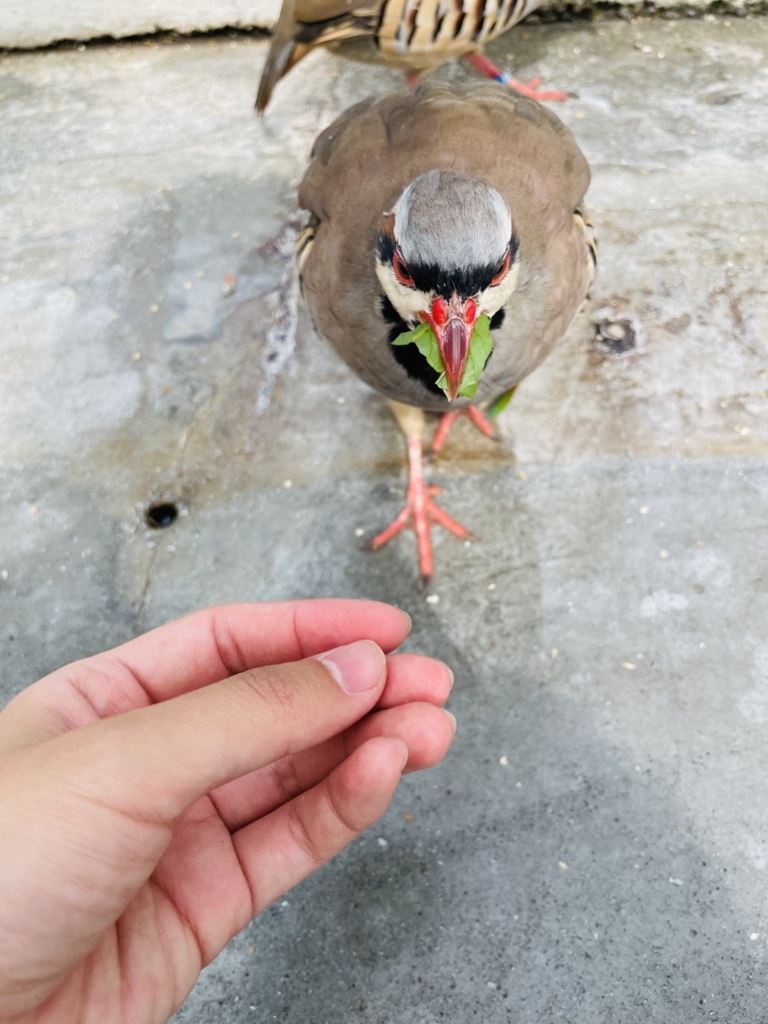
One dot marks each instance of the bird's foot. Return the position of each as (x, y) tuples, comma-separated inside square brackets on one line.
[(413, 79), (530, 89), (420, 514), (449, 418)]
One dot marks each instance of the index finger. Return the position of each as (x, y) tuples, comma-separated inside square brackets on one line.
[(197, 650)]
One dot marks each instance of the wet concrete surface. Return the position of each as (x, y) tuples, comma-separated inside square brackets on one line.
[(608, 631)]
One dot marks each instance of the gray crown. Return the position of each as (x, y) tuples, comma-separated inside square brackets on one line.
[(452, 220)]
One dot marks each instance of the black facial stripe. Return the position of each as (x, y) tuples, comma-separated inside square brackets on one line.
[(385, 247), (408, 356), (429, 277), (467, 281), (498, 318)]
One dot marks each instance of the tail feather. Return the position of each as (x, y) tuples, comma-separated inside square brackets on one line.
[(278, 61)]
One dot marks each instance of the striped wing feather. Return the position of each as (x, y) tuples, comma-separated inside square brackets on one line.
[(416, 35), (441, 29)]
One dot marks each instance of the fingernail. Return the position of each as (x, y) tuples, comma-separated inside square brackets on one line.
[(449, 670), (406, 755), (356, 667), (453, 720)]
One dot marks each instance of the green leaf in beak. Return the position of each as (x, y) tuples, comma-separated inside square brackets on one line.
[(423, 337), (480, 348)]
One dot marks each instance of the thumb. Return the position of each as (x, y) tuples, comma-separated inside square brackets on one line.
[(154, 762)]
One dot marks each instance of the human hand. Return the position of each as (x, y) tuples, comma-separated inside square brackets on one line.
[(154, 798)]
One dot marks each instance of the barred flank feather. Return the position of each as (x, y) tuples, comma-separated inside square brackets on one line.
[(304, 242), (583, 221), (415, 35)]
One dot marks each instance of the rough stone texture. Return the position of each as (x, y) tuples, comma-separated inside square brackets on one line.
[(134, 179)]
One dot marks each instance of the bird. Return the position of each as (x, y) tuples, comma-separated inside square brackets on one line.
[(445, 253), (414, 35)]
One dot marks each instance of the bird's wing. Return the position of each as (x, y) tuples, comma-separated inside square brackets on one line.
[(306, 24), (429, 32), (418, 35)]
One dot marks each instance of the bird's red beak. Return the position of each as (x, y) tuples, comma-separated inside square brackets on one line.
[(453, 323)]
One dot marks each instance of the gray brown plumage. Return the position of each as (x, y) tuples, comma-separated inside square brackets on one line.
[(415, 35), (362, 163), (457, 201)]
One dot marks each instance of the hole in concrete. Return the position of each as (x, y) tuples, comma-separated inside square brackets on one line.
[(161, 514), (615, 336)]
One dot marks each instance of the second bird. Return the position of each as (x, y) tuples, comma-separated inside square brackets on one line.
[(445, 256), (415, 35)]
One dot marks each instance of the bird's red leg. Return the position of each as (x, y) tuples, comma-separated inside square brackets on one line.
[(412, 79), (530, 89), (449, 418), (443, 430), (482, 423), (420, 512)]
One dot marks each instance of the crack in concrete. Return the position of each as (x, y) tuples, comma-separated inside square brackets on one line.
[(143, 598), (284, 303), (197, 419), (280, 343)]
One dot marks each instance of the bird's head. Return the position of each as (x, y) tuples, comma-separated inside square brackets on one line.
[(447, 254)]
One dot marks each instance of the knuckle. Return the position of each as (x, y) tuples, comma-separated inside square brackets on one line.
[(341, 812), (286, 778), (306, 839), (274, 688), (321, 835)]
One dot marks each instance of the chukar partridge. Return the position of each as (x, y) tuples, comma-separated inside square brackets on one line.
[(415, 35), (445, 255)]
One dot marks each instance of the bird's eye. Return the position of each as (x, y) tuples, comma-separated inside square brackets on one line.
[(401, 271), (503, 269)]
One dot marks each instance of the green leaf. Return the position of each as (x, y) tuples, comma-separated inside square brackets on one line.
[(480, 348), (423, 337), (414, 335)]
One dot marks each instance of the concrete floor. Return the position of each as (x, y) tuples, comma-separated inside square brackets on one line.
[(41, 22), (609, 630)]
